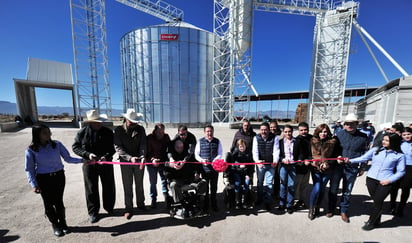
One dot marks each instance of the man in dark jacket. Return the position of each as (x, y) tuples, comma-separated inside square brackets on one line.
[(245, 133), (353, 144), (301, 151), (188, 139), (95, 142), (130, 145)]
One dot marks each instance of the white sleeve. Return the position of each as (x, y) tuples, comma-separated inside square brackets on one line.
[(197, 151), (255, 151), (276, 150)]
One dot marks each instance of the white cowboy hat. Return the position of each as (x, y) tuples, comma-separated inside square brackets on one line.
[(351, 118), (132, 116), (385, 125), (94, 116)]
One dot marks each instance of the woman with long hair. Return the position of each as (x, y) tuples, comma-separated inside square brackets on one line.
[(405, 183), (323, 146), (387, 167), (45, 173)]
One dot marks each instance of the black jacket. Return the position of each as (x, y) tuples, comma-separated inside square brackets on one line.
[(301, 151), (101, 146)]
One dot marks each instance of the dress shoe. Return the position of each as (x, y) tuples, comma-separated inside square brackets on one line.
[(368, 226), (57, 231), (289, 210), (93, 218), (128, 215), (344, 217)]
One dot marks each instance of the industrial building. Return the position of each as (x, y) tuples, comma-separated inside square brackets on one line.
[(389, 103)]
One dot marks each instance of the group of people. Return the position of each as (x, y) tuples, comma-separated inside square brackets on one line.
[(283, 165)]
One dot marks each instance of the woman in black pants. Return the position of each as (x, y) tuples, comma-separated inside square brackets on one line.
[(45, 174), (388, 166)]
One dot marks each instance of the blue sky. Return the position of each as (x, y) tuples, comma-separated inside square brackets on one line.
[(282, 43)]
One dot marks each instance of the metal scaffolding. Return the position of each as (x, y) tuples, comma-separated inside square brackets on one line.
[(88, 19), (90, 56), (330, 63), (233, 29)]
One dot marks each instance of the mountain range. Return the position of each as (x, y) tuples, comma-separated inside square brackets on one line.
[(11, 108)]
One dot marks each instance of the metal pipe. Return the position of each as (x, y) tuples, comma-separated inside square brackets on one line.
[(404, 73), (372, 54)]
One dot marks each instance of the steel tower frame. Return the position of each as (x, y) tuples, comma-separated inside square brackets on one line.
[(330, 54), (330, 63), (89, 39), (88, 19)]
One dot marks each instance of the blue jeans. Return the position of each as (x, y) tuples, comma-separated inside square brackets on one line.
[(264, 183), (287, 184), (319, 184), (240, 179), (153, 171), (348, 174)]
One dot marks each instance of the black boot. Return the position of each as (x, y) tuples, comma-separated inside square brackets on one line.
[(61, 215), (51, 215), (311, 214)]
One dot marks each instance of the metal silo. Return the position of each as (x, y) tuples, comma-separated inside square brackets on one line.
[(167, 73)]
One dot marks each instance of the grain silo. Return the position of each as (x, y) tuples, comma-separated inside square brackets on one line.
[(167, 73)]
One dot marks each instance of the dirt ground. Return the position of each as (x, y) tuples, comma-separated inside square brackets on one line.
[(22, 218)]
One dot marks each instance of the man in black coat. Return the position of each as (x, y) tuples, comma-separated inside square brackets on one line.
[(94, 142)]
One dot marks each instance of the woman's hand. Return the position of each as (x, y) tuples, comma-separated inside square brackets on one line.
[(36, 189), (385, 182)]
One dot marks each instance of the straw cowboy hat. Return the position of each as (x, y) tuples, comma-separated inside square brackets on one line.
[(132, 116), (351, 118), (94, 116)]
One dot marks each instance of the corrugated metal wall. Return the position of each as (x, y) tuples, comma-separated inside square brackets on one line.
[(167, 73)]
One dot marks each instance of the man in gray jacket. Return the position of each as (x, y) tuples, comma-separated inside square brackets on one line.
[(130, 145)]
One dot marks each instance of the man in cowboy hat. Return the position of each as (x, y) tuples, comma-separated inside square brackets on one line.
[(353, 144), (95, 142), (130, 145)]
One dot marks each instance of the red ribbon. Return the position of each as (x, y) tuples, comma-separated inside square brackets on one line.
[(218, 165)]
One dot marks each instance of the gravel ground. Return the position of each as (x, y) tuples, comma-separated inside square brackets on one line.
[(23, 220)]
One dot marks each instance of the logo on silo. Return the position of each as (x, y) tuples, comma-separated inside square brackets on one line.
[(169, 37)]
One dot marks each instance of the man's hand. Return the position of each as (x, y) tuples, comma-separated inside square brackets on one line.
[(178, 165), (134, 160), (142, 161), (307, 162), (204, 161), (340, 161), (260, 165), (92, 157), (155, 162), (274, 164)]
